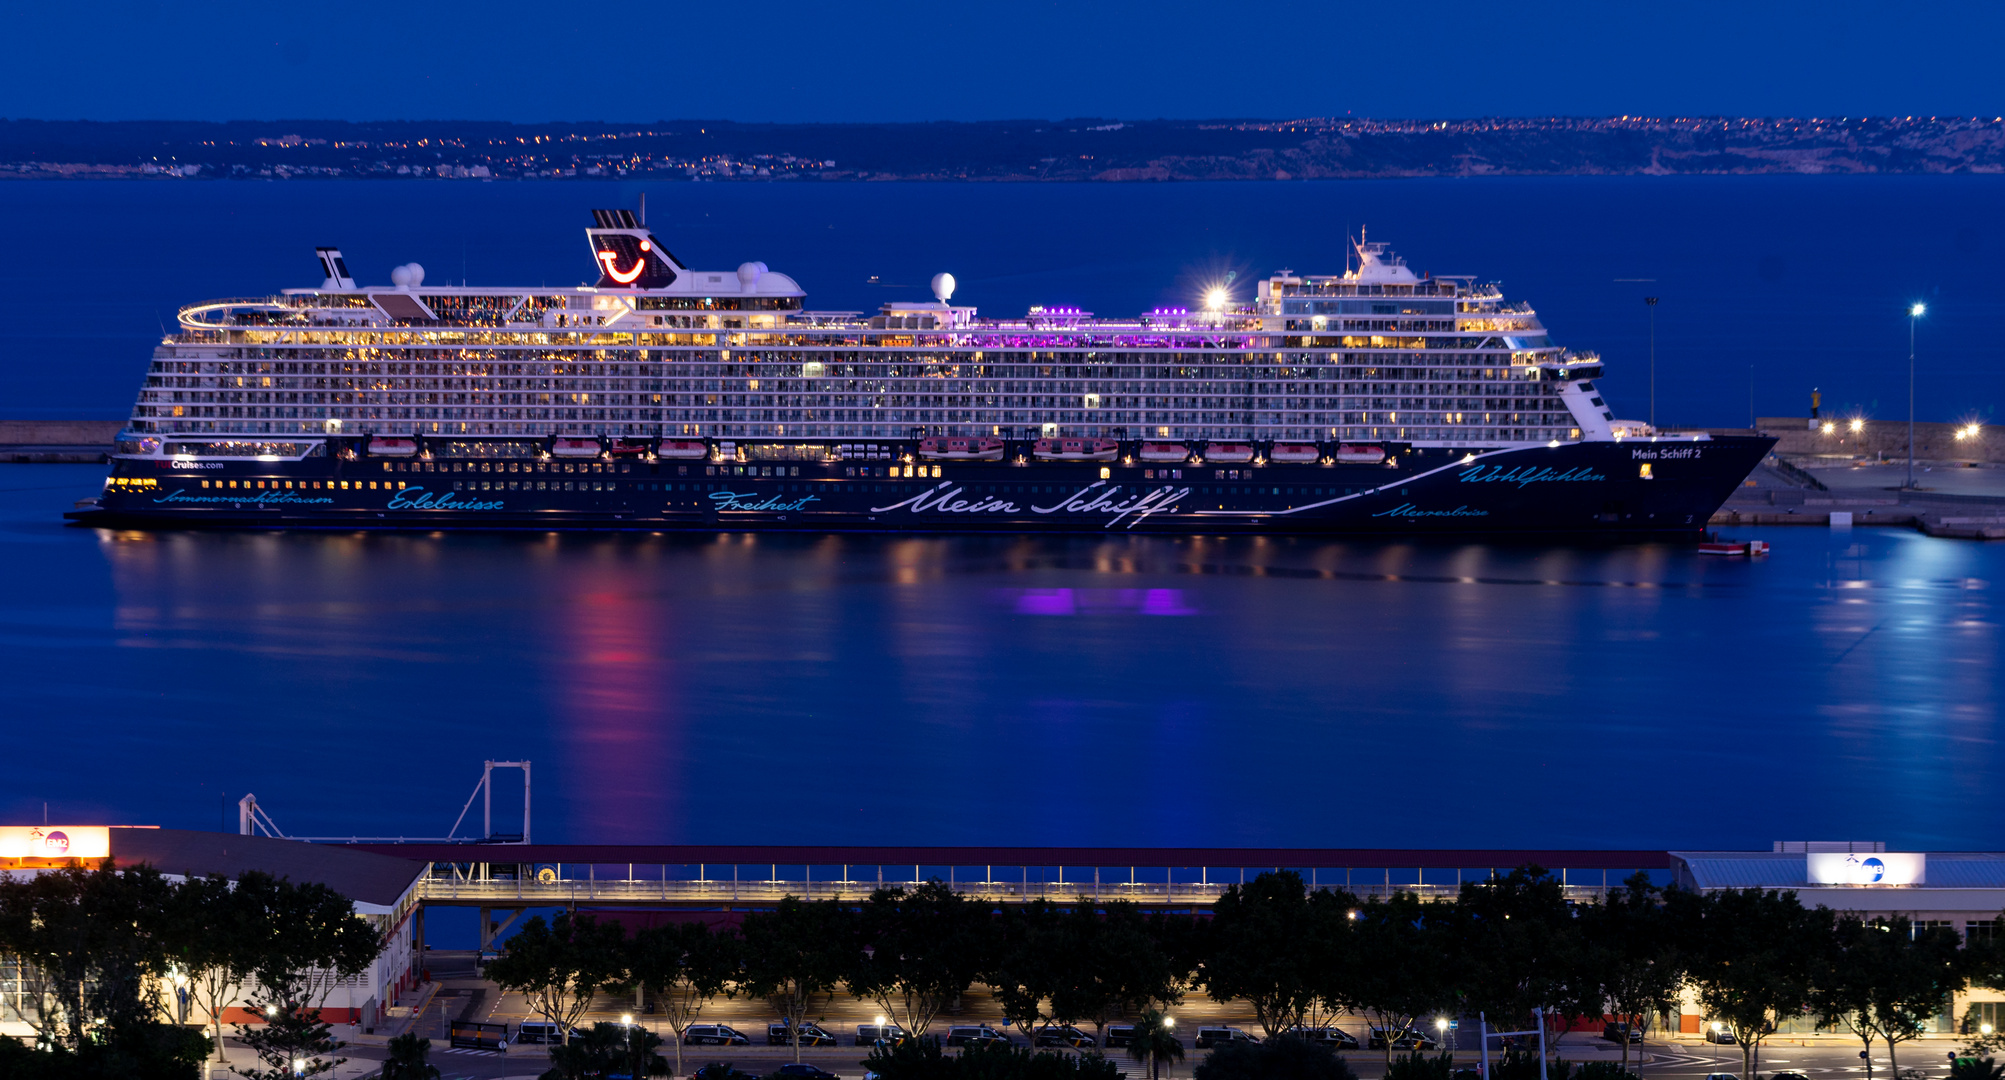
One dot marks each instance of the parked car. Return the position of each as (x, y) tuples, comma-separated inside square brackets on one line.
[(779, 1033), (1208, 1037), (1720, 1035), (1788, 1075), (1334, 1037), (874, 1034), (721, 1070), (968, 1036), (714, 1035), (1410, 1039), (1063, 1035), (542, 1032), (1619, 1031), (1466, 1074), (1119, 1035), (806, 1072), (1721, 1076)]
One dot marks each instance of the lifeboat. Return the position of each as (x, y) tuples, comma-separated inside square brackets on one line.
[(1164, 452), (1351, 454), (1230, 453), (1294, 452), (563, 447), (384, 446), (629, 447), (1076, 449), (944, 448), (682, 449)]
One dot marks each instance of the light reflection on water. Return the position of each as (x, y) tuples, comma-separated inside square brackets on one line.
[(740, 688)]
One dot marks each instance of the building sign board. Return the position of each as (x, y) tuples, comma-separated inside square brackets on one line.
[(1866, 868), (55, 842)]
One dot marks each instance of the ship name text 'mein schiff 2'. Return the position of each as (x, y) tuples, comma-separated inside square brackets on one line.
[(1375, 401)]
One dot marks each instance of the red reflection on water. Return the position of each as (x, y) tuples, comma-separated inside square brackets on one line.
[(612, 684)]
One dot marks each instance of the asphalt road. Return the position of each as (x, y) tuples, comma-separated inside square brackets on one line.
[(1832, 1057)]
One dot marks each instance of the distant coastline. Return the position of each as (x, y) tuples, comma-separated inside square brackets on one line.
[(999, 151)]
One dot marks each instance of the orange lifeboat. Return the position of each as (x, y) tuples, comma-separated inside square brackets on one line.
[(955, 448), (682, 449), (1352, 454), (1164, 452), (1076, 449), (563, 447), (1294, 452), (1229, 453)]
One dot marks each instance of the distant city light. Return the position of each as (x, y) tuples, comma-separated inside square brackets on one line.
[(1858, 424), (1215, 299), (1917, 310), (1829, 427)]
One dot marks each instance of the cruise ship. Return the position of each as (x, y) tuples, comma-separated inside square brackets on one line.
[(1374, 401)]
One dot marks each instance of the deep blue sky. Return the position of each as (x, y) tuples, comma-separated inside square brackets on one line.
[(791, 60)]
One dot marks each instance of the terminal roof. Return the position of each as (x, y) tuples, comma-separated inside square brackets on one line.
[(365, 877)]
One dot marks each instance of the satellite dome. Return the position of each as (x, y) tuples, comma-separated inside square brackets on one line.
[(748, 274), (943, 287), (417, 275), (400, 276)]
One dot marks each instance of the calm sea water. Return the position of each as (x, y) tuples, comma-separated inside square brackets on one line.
[(1032, 691), (741, 688)]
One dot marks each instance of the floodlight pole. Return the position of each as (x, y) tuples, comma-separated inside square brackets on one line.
[(1651, 303)]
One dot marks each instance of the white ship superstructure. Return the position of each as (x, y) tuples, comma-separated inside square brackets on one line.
[(1377, 354)]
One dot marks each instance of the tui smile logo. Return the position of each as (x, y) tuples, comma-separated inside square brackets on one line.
[(611, 259)]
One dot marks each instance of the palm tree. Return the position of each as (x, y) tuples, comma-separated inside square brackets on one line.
[(407, 1059), (1155, 1041)]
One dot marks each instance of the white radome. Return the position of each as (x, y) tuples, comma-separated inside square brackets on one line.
[(943, 287)]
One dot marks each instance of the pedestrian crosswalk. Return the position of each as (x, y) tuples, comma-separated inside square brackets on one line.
[(470, 1050)]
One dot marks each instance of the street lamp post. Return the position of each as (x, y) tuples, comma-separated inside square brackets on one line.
[(1914, 316), (1651, 303)]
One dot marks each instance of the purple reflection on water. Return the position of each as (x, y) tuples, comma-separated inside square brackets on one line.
[(1098, 601)]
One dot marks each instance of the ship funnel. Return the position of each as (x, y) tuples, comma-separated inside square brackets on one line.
[(334, 268)]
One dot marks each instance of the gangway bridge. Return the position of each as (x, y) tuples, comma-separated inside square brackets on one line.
[(518, 877)]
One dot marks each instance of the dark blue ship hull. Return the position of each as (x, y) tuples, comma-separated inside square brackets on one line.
[(1637, 486)]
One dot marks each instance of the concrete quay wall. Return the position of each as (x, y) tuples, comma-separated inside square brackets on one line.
[(1799, 436), (56, 441)]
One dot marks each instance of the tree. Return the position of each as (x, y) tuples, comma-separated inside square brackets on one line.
[(561, 965), (89, 943), (1154, 1042), (607, 1049), (1271, 945), (1109, 961), (212, 945), (407, 1059), (1519, 947), (1753, 955), (920, 951), (1022, 970), (305, 938), (1282, 1058), (1405, 962), (688, 965), (1886, 979), (1628, 957), (795, 955)]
